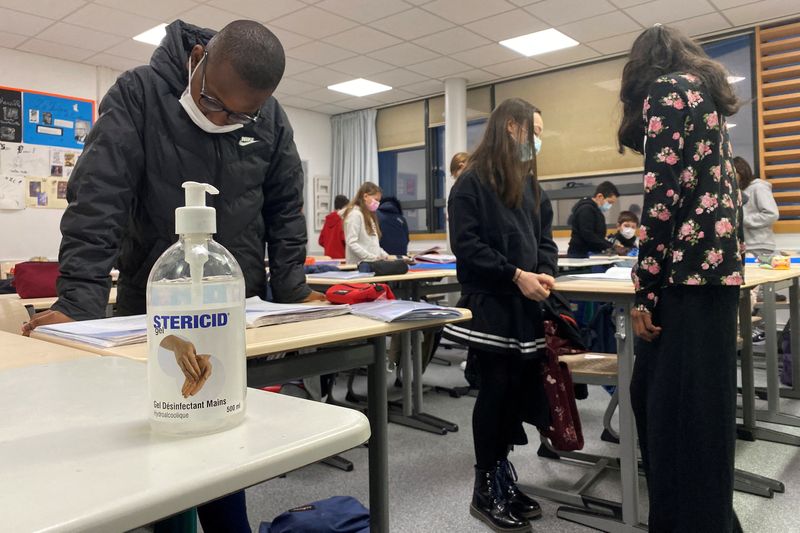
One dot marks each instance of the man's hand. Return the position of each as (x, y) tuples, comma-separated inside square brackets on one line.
[(531, 287), (44, 318), (315, 297), (546, 280), (643, 326)]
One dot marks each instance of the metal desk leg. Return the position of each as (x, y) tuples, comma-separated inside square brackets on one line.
[(416, 340), (794, 326), (379, 440), (629, 468)]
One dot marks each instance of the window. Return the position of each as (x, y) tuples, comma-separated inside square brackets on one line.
[(403, 174)]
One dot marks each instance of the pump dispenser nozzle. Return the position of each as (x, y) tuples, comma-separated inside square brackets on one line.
[(196, 217)]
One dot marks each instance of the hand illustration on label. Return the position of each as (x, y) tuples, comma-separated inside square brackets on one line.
[(190, 387), (196, 368)]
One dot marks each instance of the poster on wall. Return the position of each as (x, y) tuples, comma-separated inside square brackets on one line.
[(46, 192), (10, 115), (59, 121), (21, 160), (62, 162)]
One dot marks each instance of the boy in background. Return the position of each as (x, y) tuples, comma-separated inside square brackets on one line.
[(625, 239), (331, 238), (588, 222)]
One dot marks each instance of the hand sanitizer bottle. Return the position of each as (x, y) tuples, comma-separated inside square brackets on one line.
[(196, 368)]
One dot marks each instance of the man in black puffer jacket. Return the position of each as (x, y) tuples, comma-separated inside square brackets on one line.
[(588, 222), (153, 134)]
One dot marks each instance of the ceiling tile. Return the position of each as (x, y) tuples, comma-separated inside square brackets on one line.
[(600, 27), (131, 49), (314, 22), (288, 39), (403, 54), (398, 77), (21, 23), (566, 56), (558, 12), (355, 102), (330, 109), (452, 40), (117, 63), (507, 25), (476, 76), (463, 11), (726, 4), (292, 86), (298, 101), (258, 9), (363, 10), (209, 17), (615, 44), (295, 66), (111, 20), (627, 3), (515, 67), (362, 39), (425, 88), (360, 66), (325, 95), (389, 97), (323, 77), (11, 40), (712, 22), (70, 35), (439, 68), (411, 24), (52, 9), (523, 3), (164, 10), (319, 53), (761, 11), (419, 2), (665, 12), (486, 55), (59, 50)]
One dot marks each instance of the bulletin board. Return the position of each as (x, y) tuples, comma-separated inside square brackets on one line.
[(41, 138)]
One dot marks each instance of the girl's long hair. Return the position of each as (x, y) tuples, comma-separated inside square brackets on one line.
[(497, 158), (660, 50), (370, 219)]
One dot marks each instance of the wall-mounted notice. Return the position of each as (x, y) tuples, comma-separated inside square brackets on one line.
[(52, 120), (10, 115)]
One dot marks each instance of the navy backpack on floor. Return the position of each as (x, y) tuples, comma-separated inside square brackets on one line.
[(338, 514)]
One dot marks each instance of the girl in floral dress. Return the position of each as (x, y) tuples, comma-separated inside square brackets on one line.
[(687, 280)]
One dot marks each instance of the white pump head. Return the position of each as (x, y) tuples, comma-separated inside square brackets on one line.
[(196, 217)]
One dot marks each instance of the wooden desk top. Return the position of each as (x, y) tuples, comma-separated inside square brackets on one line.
[(754, 275), (287, 337), (422, 275), (43, 304), (18, 351)]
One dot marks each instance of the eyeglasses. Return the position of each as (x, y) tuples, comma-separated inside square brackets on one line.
[(213, 105)]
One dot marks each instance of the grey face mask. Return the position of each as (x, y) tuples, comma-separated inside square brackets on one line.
[(525, 151)]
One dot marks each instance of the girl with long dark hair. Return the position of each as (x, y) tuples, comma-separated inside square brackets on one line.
[(500, 231), (676, 100)]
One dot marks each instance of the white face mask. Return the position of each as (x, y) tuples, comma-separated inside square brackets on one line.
[(197, 116), (628, 232)]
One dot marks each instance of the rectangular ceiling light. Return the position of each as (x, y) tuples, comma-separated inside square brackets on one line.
[(539, 42), (735, 79), (153, 35), (359, 87)]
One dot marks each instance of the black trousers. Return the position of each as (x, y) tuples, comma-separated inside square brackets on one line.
[(684, 398)]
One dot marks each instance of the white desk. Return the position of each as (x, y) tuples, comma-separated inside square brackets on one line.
[(43, 304), (77, 453), (18, 351)]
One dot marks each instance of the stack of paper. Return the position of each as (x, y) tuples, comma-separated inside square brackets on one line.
[(104, 332), (340, 274), (436, 258), (260, 313), (401, 310), (612, 274)]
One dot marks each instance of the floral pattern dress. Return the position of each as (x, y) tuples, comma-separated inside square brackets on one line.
[(691, 231)]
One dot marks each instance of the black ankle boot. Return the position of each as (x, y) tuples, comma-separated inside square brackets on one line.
[(520, 504), (489, 505)]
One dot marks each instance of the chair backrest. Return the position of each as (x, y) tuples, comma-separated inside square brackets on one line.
[(12, 315)]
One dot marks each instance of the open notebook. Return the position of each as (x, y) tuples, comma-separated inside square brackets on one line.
[(123, 330), (400, 310), (614, 273)]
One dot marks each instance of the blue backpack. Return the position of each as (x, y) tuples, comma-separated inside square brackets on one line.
[(338, 514)]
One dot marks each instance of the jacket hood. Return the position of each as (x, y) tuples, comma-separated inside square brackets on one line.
[(759, 184), (390, 204), (583, 202), (170, 60), (333, 219)]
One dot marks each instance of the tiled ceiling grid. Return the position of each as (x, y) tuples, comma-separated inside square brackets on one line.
[(410, 45)]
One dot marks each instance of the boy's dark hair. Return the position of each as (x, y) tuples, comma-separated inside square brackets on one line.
[(607, 189), (627, 216), (255, 52), (340, 201)]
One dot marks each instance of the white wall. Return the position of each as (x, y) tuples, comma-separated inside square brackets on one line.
[(312, 135), (35, 232)]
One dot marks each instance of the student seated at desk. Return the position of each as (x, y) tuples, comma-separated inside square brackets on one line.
[(393, 225), (202, 109), (588, 222), (625, 240), (331, 238), (362, 233)]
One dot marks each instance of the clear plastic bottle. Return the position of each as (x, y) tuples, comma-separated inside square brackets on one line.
[(197, 367)]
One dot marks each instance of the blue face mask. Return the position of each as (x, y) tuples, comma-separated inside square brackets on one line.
[(606, 207), (525, 152), (537, 144)]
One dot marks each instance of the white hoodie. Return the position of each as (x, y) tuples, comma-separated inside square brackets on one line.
[(760, 212)]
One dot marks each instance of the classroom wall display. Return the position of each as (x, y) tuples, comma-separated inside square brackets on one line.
[(53, 120), (10, 115)]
